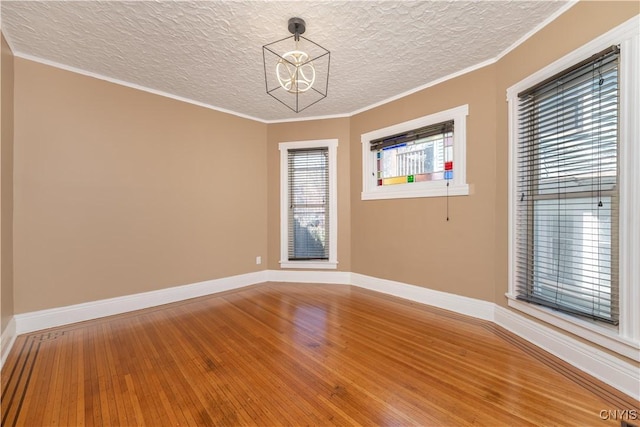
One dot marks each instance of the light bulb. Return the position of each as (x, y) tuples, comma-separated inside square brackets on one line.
[(295, 73)]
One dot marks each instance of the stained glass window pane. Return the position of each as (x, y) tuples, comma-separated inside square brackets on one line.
[(416, 161)]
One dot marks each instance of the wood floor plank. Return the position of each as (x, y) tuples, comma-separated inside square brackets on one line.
[(294, 354)]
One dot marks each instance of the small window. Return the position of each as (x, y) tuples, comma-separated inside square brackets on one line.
[(308, 204), (419, 158)]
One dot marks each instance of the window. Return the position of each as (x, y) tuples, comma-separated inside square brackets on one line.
[(415, 156), (568, 192), (308, 204), (574, 231), (424, 157)]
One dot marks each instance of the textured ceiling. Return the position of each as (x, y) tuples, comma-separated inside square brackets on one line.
[(210, 52)]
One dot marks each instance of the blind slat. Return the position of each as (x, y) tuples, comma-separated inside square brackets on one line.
[(412, 135)]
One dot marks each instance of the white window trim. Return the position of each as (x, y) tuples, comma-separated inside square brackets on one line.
[(332, 262), (457, 186), (625, 339)]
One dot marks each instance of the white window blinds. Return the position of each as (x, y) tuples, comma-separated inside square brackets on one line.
[(567, 186), (308, 174)]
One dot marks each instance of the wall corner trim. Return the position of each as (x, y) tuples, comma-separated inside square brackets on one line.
[(6, 340)]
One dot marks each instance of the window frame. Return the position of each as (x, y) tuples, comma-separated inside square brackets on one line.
[(457, 186), (625, 338), (284, 147)]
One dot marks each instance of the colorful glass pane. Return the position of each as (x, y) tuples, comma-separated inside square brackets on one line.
[(422, 160), (394, 180)]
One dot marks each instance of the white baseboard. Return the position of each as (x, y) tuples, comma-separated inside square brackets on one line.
[(37, 320), (310, 276), (612, 370), (464, 305), (6, 340)]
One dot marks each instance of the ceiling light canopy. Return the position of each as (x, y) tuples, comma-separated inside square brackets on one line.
[(296, 70)]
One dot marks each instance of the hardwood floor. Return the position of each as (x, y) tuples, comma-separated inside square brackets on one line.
[(294, 354)]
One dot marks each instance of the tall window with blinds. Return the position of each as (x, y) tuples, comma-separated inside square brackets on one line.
[(567, 190), (308, 175)]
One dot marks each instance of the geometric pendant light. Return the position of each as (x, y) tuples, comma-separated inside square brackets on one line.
[(296, 70)]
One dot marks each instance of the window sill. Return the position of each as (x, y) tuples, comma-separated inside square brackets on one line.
[(394, 192), (321, 265), (604, 335)]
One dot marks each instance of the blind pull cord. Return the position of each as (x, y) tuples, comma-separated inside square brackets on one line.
[(600, 83), (447, 200)]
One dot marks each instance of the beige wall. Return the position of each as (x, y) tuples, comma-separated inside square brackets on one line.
[(6, 187), (410, 240), (303, 131), (118, 191)]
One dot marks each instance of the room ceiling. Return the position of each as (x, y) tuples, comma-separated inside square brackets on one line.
[(210, 52)]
